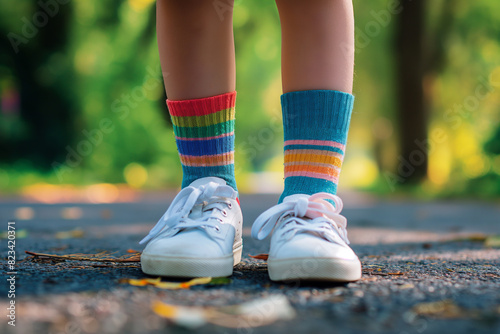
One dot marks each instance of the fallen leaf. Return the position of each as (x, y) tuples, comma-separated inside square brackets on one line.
[(256, 313), (471, 237), (98, 257), (260, 256), (20, 234), (133, 251), (189, 317), (406, 286), (492, 241), (369, 279), (140, 282), (76, 233), (156, 282), (220, 281), (444, 309)]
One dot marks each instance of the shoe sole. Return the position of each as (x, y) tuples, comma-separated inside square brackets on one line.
[(160, 265), (314, 269)]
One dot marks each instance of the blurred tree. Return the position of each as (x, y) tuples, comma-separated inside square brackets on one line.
[(420, 54), (412, 111), (40, 78)]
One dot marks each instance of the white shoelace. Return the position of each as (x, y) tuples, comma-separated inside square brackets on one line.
[(176, 215), (325, 218)]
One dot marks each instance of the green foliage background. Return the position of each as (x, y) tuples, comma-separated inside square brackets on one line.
[(108, 70)]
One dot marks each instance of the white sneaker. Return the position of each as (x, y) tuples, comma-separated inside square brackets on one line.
[(199, 235), (309, 241)]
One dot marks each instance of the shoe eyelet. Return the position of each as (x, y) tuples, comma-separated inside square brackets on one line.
[(224, 213), (230, 205), (217, 228)]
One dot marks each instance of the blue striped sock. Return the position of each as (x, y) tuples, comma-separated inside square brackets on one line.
[(315, 125)]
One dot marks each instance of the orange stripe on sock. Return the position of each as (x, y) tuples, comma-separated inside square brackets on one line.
[(208, 160), (330, 171), (327, 157)]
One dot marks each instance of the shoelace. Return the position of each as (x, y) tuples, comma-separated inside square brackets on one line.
[(184, 202), (324, 216)]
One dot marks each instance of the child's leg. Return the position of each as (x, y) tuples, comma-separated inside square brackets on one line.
[(317, 71), (196, 48), (200, 234), (197, 58), (317, 67)]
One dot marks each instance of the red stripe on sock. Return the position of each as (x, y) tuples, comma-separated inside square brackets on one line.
[(203, 106)]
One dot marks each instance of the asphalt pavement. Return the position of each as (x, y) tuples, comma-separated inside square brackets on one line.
[(428, 267)]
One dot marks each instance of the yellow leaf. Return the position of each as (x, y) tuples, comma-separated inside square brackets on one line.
[(444, 309), (492, 241), (189, 317), (164, 310), (143, 281), (156, 282), (76, 233)]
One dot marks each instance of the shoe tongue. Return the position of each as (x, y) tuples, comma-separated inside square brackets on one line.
[(309, 213), (206, 180), (294, 197)]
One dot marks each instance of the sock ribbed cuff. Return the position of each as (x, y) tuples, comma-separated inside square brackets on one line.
[(326, 113), (204, 133)]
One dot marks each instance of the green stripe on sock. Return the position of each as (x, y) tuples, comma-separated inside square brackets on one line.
[(205, 131), (210, 119)]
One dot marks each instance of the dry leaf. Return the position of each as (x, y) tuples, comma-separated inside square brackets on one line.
[(76, 233), (256, 313), (189, 317), (156, 282), (369, 279), (406, 286), (260, 256), (444, 309), (493, 241), (98, 257), (20, 234), (471, 237), (220, 281)]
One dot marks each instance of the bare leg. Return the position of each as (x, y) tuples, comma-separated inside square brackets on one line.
[(196, 48), (317, 44)]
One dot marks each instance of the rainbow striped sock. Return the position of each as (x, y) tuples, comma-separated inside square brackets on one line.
[(315, 123), (204, 133)]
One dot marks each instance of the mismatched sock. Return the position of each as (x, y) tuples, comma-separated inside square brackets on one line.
[(315, 124), (204, 133)]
